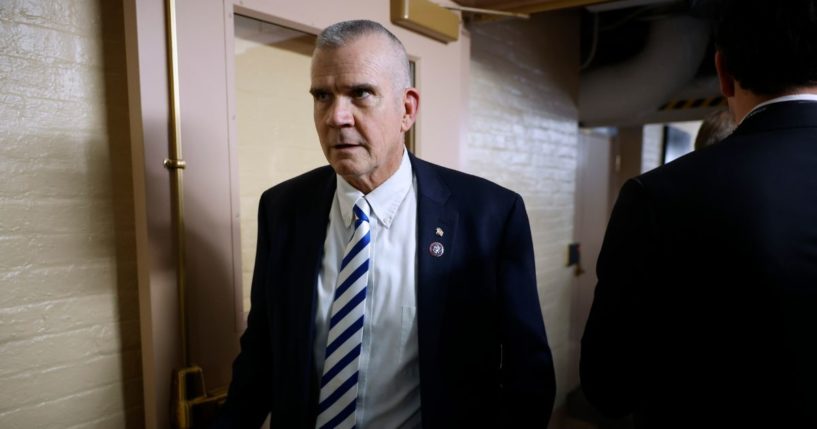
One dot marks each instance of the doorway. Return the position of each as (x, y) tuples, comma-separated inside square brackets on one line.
[(276, 137)]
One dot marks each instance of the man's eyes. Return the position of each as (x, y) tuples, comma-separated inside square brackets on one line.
[(354, 94), (320, 95), (361, 92)]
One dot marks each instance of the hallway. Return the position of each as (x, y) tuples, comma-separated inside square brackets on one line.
[(89, 324)]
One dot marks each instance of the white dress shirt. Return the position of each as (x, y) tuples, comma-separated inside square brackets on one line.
[(389, 374)]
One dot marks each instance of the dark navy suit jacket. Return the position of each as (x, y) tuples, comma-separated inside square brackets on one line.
[(705, 313), (484, 356)]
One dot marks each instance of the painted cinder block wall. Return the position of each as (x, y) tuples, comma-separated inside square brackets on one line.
[(653, 135), (523, 134), (69, 329)]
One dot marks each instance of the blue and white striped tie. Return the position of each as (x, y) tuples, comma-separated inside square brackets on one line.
[(340, 369)]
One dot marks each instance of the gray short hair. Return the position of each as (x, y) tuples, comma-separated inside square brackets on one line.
[(341, 33)]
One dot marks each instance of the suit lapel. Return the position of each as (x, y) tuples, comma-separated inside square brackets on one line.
[(311, 220), (436, 225)]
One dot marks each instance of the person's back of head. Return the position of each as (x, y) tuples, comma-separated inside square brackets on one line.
[(769, 46), (714, 128)]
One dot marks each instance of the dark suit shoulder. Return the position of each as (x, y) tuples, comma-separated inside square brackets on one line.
[(467, 187), (694, 174), (776, 138)]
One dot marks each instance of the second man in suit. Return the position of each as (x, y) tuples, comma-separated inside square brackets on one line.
[(705, 311)]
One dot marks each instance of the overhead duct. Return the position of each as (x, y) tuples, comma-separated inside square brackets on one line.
[(628, 92)]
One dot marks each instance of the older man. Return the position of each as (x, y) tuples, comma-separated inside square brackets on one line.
[(705, 312), (388, 292)]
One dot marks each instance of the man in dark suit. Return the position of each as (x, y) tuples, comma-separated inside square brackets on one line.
[(447, 329), (705, 312)]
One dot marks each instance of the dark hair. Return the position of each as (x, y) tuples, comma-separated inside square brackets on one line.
[(769, 46), (341, 33)]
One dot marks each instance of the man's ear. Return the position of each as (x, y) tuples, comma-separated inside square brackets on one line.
[(727, 82), (411, 102)]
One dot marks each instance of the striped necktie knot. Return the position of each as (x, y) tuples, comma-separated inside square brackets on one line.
[(361, 211)]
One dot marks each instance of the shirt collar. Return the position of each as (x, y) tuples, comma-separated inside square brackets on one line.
[(793, 97), (383, 200)]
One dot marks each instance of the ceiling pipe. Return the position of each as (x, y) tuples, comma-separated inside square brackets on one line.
[(628, 92)]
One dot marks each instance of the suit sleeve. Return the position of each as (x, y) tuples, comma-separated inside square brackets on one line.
[(248, 399), (610, 353), (527, 378)]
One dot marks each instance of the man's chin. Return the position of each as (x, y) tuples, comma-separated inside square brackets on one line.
[(346, 167)]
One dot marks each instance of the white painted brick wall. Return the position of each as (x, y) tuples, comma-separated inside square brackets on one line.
[(69, 328), (523, 135), (651, 149)]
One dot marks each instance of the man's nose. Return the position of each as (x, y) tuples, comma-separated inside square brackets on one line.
[(340, 113)]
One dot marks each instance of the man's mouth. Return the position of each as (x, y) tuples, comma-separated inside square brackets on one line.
[(346, 145)]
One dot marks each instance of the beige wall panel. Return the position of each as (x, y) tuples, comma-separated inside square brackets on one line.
[(148, 108), (276, 134)]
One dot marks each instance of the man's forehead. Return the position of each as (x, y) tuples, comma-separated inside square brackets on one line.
[(346, 71), (367, 48), (351, 63)]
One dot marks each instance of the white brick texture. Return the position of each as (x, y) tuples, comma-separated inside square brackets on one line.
[(651, 149), (523, 134), (69, 328)]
